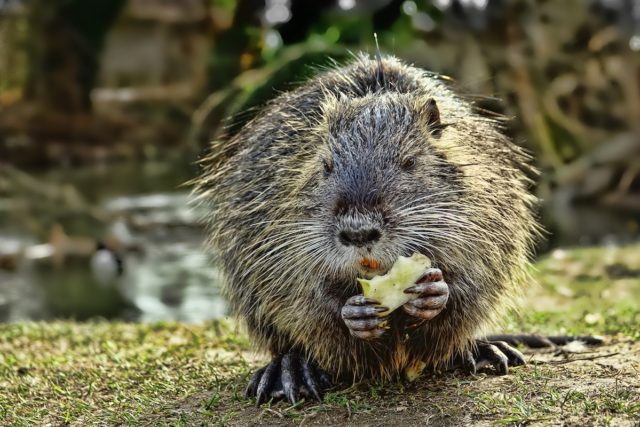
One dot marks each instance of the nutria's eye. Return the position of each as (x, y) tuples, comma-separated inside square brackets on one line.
[(409, 163), (327, 164)]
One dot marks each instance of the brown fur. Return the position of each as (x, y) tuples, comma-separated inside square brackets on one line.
[(271, 191)]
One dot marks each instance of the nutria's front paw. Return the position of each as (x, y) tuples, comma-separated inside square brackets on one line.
[(362, 317), (432, 292)]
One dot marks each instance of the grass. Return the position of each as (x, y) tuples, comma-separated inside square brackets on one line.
[(115, 372), (99, 373)]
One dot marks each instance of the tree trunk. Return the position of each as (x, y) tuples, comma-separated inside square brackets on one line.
[(66, 39)]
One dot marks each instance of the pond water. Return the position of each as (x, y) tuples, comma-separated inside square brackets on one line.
[(149, 223), (47, 249)]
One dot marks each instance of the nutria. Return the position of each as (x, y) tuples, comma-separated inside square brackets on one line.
[(336, 179)]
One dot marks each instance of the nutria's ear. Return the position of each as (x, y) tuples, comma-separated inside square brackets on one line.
[(432, 115)]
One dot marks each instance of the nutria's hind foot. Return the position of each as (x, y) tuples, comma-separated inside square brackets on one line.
[(497, 354), (288, 376)]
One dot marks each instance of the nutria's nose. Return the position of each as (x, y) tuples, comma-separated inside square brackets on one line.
[(359, 237)]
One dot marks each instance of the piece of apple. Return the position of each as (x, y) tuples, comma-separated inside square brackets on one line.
[(389, 288)]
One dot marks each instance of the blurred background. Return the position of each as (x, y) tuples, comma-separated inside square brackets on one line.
[(106, 105)]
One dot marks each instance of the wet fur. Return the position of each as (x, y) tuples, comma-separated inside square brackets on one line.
[(273, 191)]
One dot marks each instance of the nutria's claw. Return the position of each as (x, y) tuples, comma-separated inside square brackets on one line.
[(288, 376), (433, 294), (497, 354), (362, 317)]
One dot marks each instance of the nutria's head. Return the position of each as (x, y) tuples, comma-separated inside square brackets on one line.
[(380, 189)]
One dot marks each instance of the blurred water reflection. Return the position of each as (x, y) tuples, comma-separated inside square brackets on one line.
[(166, 274)]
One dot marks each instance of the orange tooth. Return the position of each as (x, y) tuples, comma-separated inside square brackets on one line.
[(370, 263)]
